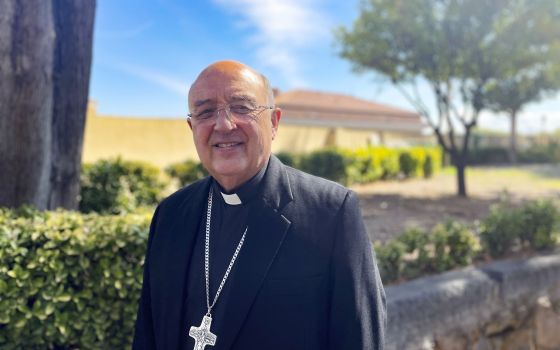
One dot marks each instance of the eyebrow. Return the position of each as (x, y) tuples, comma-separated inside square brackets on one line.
[(233, 98), (243, 98), (202, 102)]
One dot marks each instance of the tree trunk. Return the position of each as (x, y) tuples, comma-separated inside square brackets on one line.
[(461, 183), (72, 61), (45, 55), (27, 40), (513, 139)]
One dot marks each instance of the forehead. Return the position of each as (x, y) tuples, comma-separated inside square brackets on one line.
[(217, 85)]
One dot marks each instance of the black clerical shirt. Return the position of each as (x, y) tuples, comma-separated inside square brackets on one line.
[(227, 225)]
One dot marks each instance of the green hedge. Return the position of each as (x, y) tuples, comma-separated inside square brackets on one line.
[(69, 281), (116, 186), (348, 167), (545, 153), (328, 163), (186, 172), (72, 281), (505, 231)]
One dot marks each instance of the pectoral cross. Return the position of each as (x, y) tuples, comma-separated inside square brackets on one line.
[(202, 335)]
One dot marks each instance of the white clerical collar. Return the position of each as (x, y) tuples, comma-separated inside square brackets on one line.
[(231, 199)]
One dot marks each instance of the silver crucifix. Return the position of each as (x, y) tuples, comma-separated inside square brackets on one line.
[(202, 335)]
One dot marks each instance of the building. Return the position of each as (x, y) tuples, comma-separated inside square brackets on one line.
[(310, 120)]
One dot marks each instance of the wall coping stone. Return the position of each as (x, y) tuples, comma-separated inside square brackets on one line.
[(462, 300)]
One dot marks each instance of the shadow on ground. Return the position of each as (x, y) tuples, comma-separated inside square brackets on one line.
[(387, 215)]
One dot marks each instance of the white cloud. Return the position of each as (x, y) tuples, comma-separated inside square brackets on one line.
[(282, 28)]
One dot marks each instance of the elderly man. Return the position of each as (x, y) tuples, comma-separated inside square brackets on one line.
[(258, 255)]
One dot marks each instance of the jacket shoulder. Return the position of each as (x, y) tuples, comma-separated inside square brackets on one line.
[(316, 190), (181, 195)]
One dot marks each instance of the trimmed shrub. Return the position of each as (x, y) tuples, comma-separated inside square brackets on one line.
[(365, 165), (428, 167), (186, 172), (329, 164), (69, 281), (500, 230), (417, 246), (407, 164), (288, 159), (116, 186), (389, 162), (463, 245), (547, 153), (539, 220), (488, 155), (390, 260)]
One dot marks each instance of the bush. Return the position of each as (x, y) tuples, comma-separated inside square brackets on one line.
[(390, 260), (500, 230), (547, 153), (288, 159), (450, 245), (187, 172), (428, 167), (362, 167), (69, 281), (416, 244), (116, 186), (372, 163), (539, 221), (407, 164), (329, 164), (462, 244), (488, 155), (365, 165)]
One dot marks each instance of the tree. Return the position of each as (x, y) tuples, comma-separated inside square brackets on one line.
[(45, 60), (533, 71), (457, 48)]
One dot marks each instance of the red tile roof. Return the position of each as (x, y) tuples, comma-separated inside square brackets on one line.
[(329, 109)]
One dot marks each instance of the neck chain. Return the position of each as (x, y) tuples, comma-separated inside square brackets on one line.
[(207, 258), (202, 334)]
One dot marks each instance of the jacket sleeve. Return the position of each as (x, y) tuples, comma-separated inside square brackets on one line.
[(144, 330), (358, 315)]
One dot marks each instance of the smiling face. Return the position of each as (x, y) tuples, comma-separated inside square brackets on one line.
[(232, 151)]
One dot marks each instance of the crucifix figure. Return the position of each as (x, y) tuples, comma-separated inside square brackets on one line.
[(202, 335)]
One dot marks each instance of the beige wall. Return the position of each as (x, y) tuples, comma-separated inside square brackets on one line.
[(165, 141), (158, 141)]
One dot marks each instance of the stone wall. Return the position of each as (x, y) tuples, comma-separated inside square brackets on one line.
[(513, 305)]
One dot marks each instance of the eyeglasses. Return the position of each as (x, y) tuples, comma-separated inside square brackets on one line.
[(235, 112)]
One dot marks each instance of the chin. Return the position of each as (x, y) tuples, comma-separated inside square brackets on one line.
[(229, 167)]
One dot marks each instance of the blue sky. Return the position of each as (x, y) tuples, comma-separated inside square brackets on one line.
[(148, 52)]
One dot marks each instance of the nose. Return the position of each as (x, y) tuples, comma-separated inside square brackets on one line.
[(226, 122)]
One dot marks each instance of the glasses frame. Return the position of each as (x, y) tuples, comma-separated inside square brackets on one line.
[(253, 114)]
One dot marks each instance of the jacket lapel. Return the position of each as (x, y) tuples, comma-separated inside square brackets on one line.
[(176, 256), (267, 229)]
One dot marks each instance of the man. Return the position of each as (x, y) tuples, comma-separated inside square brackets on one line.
[(258, 255)]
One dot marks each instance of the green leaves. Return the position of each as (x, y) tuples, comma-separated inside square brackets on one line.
[(119, 186), (186, 172), (506, 230), (69, 280)]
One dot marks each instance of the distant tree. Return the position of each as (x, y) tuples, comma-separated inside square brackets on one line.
[(533, 69), (457, 48), (45, 59)]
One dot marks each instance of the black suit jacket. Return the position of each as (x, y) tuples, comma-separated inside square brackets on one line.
[(305, 277)]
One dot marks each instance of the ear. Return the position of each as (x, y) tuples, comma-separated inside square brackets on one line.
[(275, 120), (189, 122)]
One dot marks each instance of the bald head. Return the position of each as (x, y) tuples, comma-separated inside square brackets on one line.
[(229, 68), (231, 148)]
